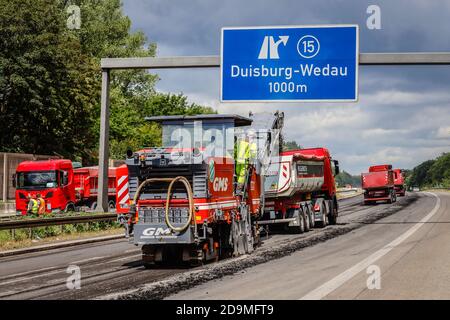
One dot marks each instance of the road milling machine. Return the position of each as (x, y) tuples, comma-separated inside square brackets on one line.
[(199, 197)]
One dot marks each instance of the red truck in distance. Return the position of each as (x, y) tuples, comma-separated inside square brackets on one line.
[(399, 182), (63, 188), (378, 184)]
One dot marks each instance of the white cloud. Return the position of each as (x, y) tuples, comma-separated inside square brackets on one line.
[(443, 133)]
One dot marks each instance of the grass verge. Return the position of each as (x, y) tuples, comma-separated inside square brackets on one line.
[(23, 238)]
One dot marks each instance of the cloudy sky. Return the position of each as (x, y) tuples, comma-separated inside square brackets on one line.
[(403, 113)]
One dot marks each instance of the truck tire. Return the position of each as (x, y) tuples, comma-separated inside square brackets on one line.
[(332, 217), (94, 205), (392, 197), (310, 215), (324, 222), (111, 204), (306, 220), (70, 207), (300, 228)]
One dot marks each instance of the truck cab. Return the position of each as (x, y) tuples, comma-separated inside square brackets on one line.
[(53, 179)]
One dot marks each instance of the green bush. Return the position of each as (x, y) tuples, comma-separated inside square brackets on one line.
[(51, 231), (21, 234), (69, 228), (5, 235)]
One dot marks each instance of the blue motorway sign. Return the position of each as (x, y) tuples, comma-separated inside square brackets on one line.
[(295, 63)]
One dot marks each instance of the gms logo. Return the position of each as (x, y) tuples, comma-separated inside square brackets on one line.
[(220, 184), (269, 48), (154, 232)]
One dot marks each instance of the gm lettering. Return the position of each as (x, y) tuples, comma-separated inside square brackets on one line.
[(156, 232)]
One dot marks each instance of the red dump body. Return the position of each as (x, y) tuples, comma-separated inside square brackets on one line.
[(318, 154), (378, 183), (86, 186), (301, 178), (399, 182)]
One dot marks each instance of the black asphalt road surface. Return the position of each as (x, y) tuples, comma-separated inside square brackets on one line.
[(114, 266)]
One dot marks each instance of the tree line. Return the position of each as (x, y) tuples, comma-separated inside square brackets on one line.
[(431, 173), (50, 80)]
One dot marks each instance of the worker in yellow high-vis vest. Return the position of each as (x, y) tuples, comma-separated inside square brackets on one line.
[(33, 205), (242, 157)]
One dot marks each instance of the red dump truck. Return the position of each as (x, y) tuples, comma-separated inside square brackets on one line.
[(378, 184), (300, 190), (62, 187), (86, 187), (399, 182)]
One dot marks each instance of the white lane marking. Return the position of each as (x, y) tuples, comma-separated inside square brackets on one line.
[(27, 272), (126, 258), (86, 260), (345, 276), (33, 277), (132, 250)]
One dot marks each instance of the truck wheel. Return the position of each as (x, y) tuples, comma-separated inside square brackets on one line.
[(391, 199), (310, 216), (112, 204), (324, 222), (332, 217), (306, 220), (300, 227), (94, 205), (69, 208)]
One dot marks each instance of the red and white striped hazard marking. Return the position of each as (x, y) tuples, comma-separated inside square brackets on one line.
[(122, 185)]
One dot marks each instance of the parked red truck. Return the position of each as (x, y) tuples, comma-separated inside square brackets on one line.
[(378, 184), (399, 182), (300, 190), (53, 179), (62, 187), (86, 187)]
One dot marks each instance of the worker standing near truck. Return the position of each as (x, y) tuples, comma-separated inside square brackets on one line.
[(41, 204), (242, 159), (33, 206)]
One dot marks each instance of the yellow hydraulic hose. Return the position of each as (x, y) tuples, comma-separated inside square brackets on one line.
[(169, 191)]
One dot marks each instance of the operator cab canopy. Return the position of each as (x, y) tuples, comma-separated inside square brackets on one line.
[(238, 120), (212, 133)]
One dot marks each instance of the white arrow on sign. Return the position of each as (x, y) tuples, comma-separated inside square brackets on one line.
[(270, 48)]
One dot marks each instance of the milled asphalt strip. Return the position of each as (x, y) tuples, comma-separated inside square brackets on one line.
[(59, 245), (345, 276)]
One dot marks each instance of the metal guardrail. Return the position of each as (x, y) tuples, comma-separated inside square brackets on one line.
[(45, 222)]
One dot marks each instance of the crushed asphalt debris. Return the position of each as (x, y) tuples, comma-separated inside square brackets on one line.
[(187, 280)]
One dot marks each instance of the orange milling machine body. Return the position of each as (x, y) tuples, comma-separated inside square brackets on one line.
[(223, 219)]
